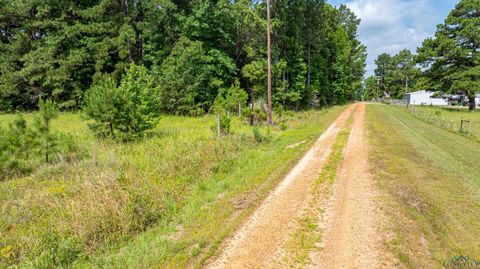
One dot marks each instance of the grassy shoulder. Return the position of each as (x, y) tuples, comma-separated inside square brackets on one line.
[(450, 118), (430, 179), (307, 234), (165, 201)]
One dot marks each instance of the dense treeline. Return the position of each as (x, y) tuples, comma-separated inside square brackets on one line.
[(193, 50), (449, 62)]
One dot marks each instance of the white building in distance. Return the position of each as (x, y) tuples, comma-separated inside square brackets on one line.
[(425, 98)]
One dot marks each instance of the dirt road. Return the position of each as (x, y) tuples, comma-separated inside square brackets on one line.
[(351, 238)]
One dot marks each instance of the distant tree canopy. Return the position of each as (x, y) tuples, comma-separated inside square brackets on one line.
[(193, 49), (398, 74), (452, 58), (370, 88), (448, 62)]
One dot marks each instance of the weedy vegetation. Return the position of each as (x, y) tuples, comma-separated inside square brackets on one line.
[(166, 200)]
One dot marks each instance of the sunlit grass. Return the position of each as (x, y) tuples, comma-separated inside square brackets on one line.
[(167, 200), (450, 118), (432, 183)]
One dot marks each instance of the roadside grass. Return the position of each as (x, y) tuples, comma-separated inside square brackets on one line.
[(431, 180), (166, 201), (450, 118), (307, 234)]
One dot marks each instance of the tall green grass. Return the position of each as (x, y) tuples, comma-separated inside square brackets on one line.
[(165, 201)]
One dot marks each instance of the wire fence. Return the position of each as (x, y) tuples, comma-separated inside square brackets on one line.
[(465, 125)]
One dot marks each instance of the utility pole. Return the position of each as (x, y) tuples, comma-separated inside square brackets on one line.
[(269, 59), (378, 78)]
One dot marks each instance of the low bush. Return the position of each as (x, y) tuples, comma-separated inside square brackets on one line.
[(24, 146), (256, 116), (143, 211), (259, 136), (225, 125)]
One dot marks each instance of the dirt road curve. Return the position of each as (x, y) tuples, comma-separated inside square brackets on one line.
[(350, 235)]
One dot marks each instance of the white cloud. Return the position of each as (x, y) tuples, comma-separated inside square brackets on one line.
[(392, 25)]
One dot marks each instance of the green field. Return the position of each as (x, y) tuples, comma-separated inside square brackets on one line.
[(431, 185), (165, 201), (450, 118)]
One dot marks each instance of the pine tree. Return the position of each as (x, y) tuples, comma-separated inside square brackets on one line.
[(102, 103), (46, 140), (452, 57), (126, 111)]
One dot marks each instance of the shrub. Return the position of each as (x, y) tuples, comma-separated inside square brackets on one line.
[(23, 146), (235, 97), (257, 135), (5, 105), (123, 112), (283, 126), (256, 116), (60, 252), (225, 125), (143, 211)]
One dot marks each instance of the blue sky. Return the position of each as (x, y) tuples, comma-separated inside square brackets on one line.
[(392, 25)]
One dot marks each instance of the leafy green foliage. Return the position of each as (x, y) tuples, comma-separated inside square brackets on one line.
[(370, 88), (55, 48), (452, 58), (256, 116), (259, 136), (398, 73), (191, 77), (125, 111), (236, 97), (60, 49), (224, 123)]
